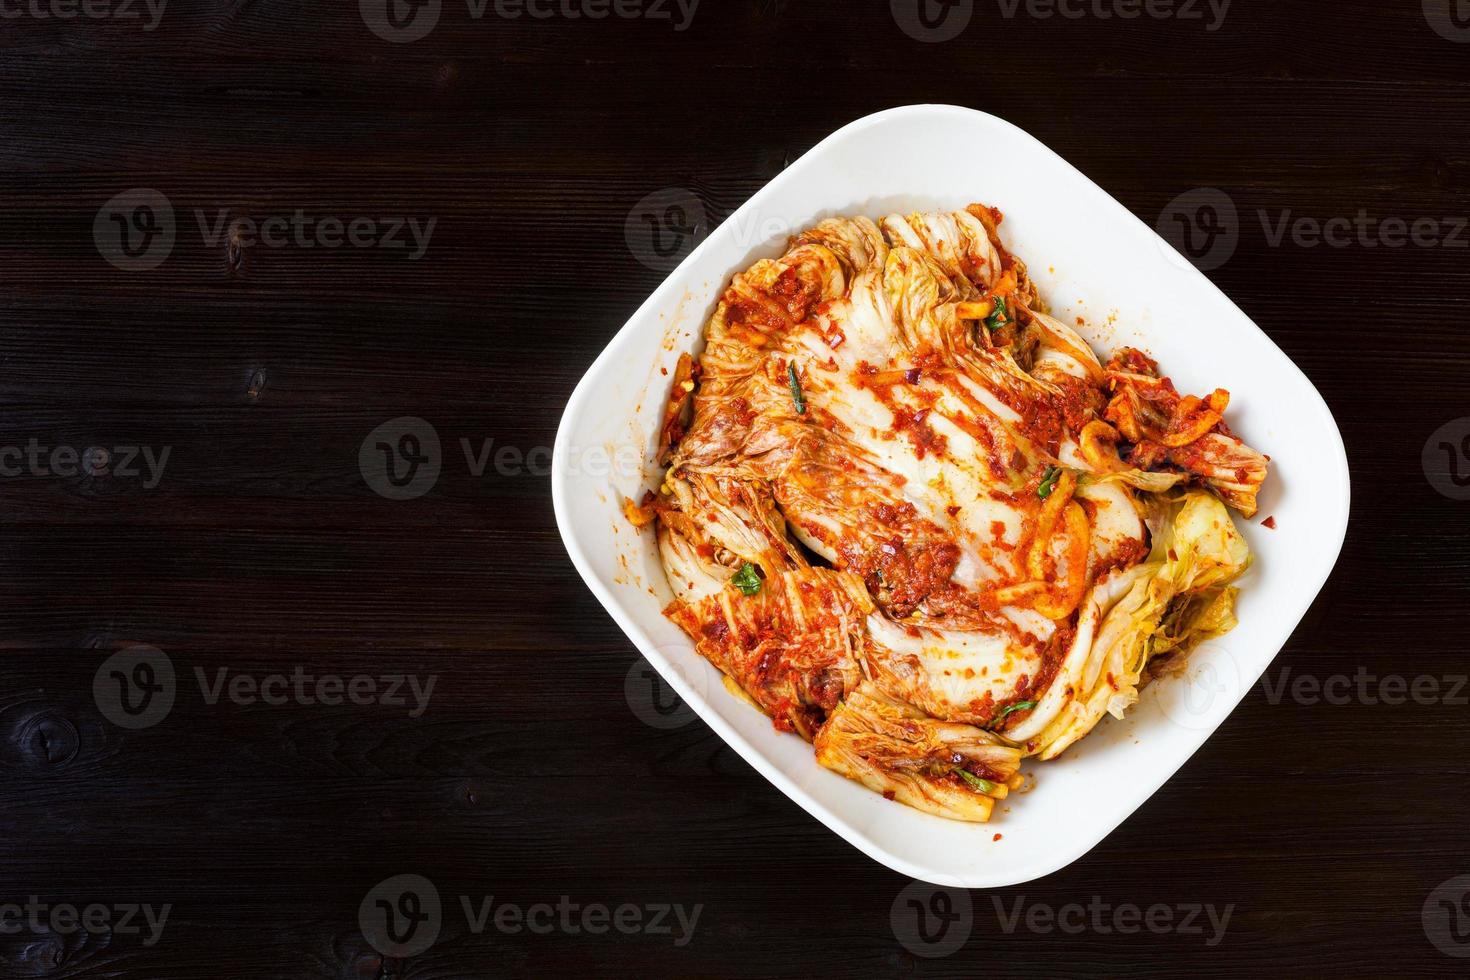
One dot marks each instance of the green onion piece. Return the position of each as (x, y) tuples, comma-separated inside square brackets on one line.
[(1018, 706), (795, 382), (747, 580), (980, 785), (1000, 317), (1049, 481)]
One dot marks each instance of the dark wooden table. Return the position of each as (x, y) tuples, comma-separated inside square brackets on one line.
[(260, 357)]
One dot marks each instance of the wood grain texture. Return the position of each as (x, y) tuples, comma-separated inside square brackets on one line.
[(262, 550)]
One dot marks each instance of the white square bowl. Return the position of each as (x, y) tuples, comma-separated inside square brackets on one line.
[(1090, 258)]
